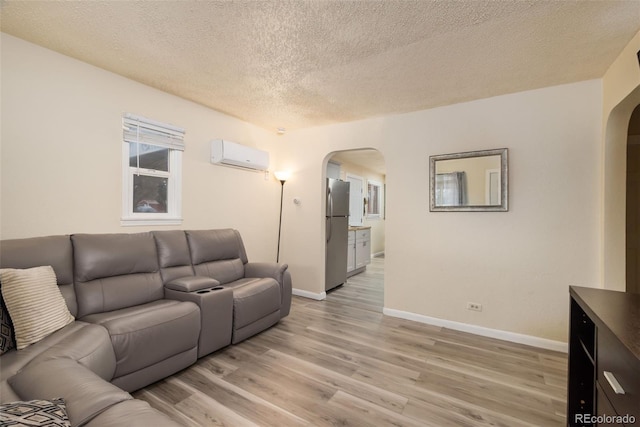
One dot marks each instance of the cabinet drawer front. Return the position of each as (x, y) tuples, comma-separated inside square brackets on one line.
[(363, 235), (602, 403), (624, 371)]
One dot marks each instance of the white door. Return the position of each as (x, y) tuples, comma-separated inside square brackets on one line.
[(356, 200), (492, 187)]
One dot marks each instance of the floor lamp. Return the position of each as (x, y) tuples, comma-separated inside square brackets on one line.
[(281, 176)]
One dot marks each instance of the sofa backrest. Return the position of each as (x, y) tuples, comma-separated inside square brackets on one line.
[(219, 254), (55, 251), (114, 271), (173, 254)]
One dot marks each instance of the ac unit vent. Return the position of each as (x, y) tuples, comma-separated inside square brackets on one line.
[(229, 153)]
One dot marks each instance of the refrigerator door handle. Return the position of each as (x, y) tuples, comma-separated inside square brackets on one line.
[(330, 204)]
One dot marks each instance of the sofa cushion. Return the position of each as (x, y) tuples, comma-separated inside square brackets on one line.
[(173, 254), (132, 413), (114, 271), (7, 394), (55, 251), (105, 255), (192, 284), (32, 413), (149, 333), (86, 393), (215, 245), (225, 271), (34, 302), (253, 300), (88, 344), (173, 248)]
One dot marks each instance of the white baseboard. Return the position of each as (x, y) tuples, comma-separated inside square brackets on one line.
[(480, 330), (306, 294), (377, 254)]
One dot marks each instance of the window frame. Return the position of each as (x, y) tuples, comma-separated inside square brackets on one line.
[(173, 216), (378, 205)]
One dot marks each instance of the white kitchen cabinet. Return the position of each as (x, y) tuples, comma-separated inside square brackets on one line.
[(351, 251), (363, 247), (359, 251)]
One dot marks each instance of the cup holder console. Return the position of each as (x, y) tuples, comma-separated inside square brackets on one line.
[(206, 291)]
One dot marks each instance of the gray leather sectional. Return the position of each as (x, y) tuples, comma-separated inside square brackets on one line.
[(146, 306)]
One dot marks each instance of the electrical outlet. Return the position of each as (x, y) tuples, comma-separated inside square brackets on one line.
[(474, 306)]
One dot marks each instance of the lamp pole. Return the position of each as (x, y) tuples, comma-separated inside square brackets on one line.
[(282, 181), (281, 176)]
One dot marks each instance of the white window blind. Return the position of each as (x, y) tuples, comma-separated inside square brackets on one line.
[(146, 131)]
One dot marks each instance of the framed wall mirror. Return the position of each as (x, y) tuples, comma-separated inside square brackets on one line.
[(476, 181)]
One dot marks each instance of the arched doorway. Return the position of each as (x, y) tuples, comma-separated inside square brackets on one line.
[(633, 204), (365, 171), (614, 264)]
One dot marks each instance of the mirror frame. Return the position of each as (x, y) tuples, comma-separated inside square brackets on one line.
[(504, 181)]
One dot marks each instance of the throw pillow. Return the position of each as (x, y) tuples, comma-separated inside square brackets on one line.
[(50, 413), (6, 330), (34, 302)]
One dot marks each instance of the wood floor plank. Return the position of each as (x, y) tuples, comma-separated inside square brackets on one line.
[(432, 404), (377, 395), (165, 407), (365, 412), (250, 405), (311, 351), (341, 362), (353, 360), (527, 407), (206, 411)]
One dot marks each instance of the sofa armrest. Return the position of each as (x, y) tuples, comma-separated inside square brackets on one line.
[(280, 273), (132, 413), (85, 393), (191, 283), (287, 291), (265, 269)]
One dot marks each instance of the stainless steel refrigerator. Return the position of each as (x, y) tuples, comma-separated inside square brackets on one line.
[(337, 233)]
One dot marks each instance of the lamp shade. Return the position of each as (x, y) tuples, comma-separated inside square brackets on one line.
[(282, 175)]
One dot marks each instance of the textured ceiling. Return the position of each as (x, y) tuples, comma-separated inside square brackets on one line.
[(297, 64)]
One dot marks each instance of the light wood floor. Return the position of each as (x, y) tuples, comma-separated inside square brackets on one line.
[(340, 362)]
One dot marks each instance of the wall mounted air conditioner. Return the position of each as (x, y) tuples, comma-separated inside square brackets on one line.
[(229, 153)]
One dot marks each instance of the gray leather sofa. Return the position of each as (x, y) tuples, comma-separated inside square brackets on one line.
[(146, 305)]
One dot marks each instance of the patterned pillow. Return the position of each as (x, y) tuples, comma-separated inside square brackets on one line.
[(6, 330), (34, 302), (50, 413)]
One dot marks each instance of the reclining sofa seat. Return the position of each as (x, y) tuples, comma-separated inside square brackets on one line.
[(119, 286), (261, 291), (87, 344)]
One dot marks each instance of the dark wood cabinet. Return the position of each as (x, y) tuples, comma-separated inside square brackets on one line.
[(604, 358)]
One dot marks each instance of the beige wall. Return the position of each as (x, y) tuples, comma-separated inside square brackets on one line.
[(621, 94), (61, 153), (518, 264)]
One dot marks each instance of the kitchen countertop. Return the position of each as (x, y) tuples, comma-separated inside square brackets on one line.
[(359, 227)]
